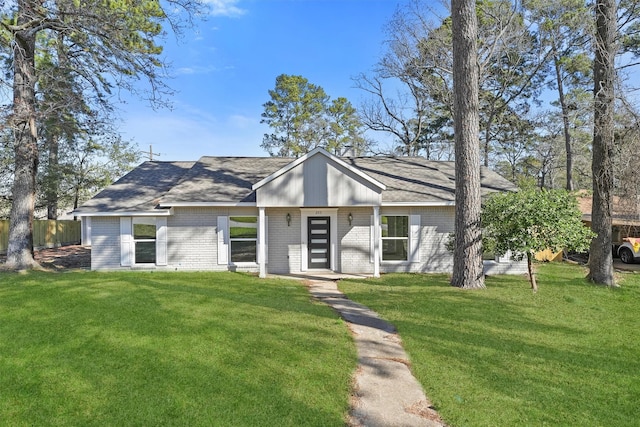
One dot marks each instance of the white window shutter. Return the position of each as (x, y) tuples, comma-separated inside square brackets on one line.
[(414, 238), (266, 242), (223, 240), (161, 241), (126, 242), (372, 239), (86, 231)]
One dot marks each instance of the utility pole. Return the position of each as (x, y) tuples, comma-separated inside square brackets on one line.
[(150, 154)]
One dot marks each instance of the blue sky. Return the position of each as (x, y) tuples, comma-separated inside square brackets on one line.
[(223, 69)]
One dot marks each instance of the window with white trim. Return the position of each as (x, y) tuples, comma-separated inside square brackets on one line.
[(243, 238), (144, 240), (395, 238)]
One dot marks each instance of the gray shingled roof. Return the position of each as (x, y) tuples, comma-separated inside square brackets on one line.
[(415, 179), (224, 179), (229, 180), (139, 190)]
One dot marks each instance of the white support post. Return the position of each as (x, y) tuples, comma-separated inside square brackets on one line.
[(262, 253), (376, 241)]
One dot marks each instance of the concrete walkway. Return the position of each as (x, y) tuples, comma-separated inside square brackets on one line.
[(385, 391)]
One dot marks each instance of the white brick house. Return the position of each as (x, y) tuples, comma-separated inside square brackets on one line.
[(365, 215)]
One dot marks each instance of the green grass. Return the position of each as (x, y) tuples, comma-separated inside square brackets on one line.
[(87, 348), (568, 355)]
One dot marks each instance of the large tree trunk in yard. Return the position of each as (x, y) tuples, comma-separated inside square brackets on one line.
[(467, 262), (20, 248), (600, 256)]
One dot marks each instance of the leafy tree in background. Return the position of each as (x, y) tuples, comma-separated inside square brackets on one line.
[(106, 44), (544, 152), (467, 255), (564, 28), (549, 142), (79, 142), (628, 14), (80, 153), (627, 117), (94, 164), (344, 131), (532, 220), (419, 57), (513, 143), (63, 115), (296, 113), (419, 114), (627, 178), (511, 63), (303, 118), (84, 166)]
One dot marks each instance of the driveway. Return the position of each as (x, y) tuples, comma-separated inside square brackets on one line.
[(619, 265)]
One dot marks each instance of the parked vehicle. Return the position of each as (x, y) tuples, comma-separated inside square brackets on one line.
[(629, 250)]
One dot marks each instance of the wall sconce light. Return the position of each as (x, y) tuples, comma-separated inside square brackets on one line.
[(288, 219), (350, 218)]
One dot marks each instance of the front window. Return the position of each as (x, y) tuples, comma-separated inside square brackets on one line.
[(243, 238), (144, 239), (395, 238)]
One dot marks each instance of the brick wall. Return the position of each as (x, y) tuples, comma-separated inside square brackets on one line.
[(193, 242), (436, 224), (355, 240)]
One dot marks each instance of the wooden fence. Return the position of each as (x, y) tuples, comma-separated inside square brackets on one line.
[(47, 233)]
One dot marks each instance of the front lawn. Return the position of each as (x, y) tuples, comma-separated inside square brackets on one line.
[(134, 348), (568, 355)]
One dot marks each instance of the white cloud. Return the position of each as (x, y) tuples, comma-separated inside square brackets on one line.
[(225, 8), (196, 70), (239, 121)]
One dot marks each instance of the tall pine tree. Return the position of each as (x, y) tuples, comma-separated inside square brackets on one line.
[(604, 75), (107, 43), (467, 262)]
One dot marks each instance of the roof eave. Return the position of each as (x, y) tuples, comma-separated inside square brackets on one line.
[(425, 203), (157, 212), (204, 204)]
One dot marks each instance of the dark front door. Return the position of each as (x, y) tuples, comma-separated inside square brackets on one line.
[(318, 246)]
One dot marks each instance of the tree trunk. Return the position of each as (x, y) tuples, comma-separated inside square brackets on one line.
[(53, 178), (565, 124), (486, 145), (600, 256), (467, 261), (532, 274), (20, 248)]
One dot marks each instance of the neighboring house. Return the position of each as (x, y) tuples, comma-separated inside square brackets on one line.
[(625, 216), (271, 215)]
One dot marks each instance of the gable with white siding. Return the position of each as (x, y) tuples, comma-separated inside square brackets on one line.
[(318, 180)]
